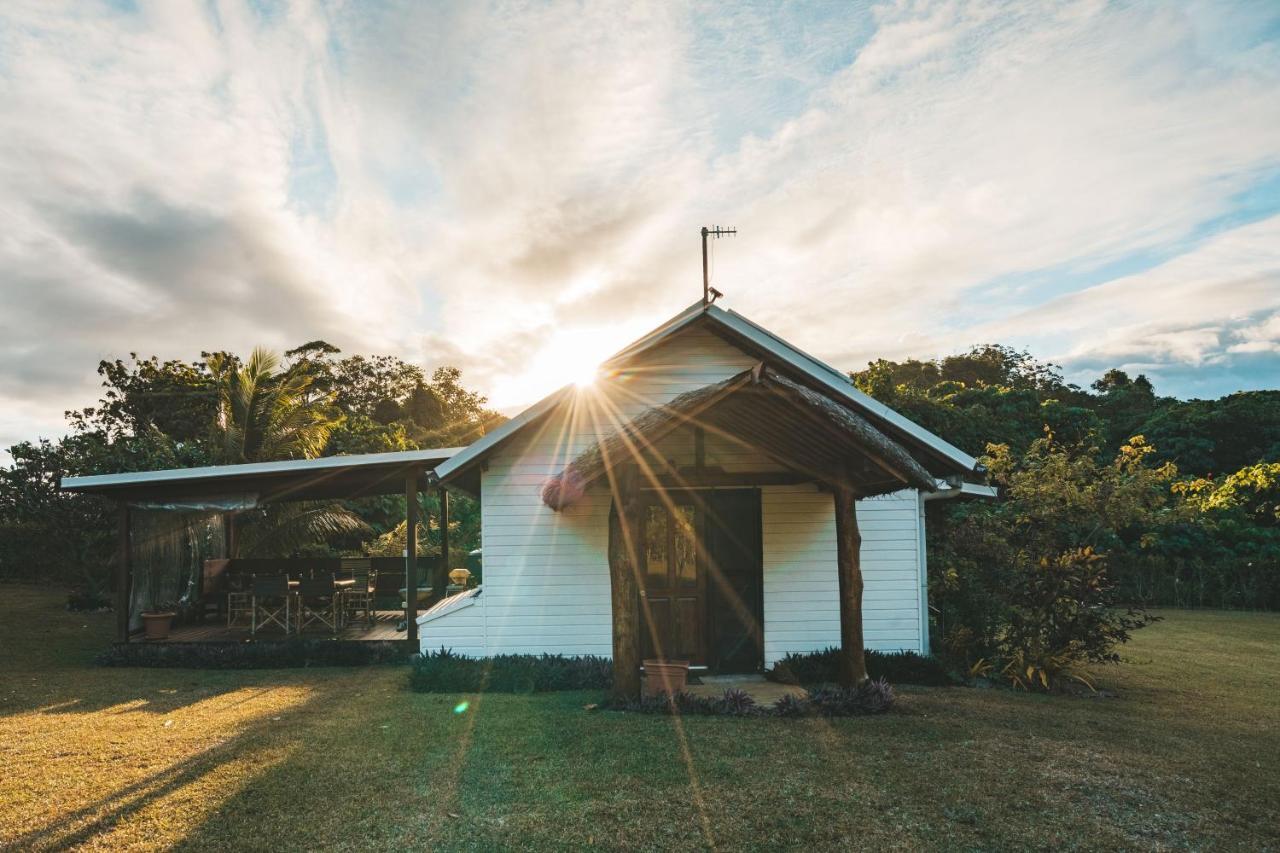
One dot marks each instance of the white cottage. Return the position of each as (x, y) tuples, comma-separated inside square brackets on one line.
[(696, 502)]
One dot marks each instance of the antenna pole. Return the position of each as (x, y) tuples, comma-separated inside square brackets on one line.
[(713, 231), (706, 282)]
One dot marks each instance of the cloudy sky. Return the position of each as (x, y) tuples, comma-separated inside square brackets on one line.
[(516, 188)]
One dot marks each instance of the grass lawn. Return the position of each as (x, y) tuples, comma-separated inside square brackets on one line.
[(1188, 755)]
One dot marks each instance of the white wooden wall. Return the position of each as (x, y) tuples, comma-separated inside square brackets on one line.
[(801, 590), (546, 574)]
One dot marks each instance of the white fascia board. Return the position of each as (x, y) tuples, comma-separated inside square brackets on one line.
[(449, 605), (213, 472)]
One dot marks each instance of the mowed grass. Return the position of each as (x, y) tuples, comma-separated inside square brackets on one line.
[(1187, 756)]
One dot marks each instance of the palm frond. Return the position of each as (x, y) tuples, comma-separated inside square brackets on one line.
[(284, 528)]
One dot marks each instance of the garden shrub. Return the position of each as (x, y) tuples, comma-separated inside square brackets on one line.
[(872, 697), (272, 655), (1022, 587), (87, 601), (899, 667), (445, 672)]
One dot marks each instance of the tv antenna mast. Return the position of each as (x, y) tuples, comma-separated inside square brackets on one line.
[(709, 293)]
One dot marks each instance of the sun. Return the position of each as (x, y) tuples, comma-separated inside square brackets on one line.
[(584, 376)]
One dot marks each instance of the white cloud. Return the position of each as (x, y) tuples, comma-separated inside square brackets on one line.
[(511, 187)]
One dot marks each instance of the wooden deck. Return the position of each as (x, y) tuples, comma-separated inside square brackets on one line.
[(214, 631)]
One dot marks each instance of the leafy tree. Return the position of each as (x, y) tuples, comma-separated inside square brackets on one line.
[(424, 408), (1213, 437), (1124, 404), (177, 398)]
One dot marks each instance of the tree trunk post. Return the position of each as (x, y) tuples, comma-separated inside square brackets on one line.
[(853, 662), (124, 575), (411, 556), (624, 586)]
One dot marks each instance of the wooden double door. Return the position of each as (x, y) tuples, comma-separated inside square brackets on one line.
[(701, 586)]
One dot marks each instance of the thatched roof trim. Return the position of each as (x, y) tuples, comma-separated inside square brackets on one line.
[(799, 427)]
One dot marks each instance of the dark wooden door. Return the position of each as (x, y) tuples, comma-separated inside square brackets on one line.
[(734, 580), (671, 589)]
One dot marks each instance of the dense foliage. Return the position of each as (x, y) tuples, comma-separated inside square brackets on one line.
[(221, 409), (288, 654), (1112, 499), (813, 668)]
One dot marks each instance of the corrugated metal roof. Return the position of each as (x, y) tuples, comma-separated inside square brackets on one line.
[(766, 342), (303, 472)]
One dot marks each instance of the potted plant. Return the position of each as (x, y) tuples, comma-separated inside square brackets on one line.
[(158, 619), (665, 676)]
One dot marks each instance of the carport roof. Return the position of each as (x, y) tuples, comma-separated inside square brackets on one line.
[(357, 475)]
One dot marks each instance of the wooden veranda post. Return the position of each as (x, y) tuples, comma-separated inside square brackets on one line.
[(124, 575), (229, 535), (411, 556), (853, 663), (441, 580), (624, 585)]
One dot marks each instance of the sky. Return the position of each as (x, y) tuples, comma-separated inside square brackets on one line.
[(516, 188)]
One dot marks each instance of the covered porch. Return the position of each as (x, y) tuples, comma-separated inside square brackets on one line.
[(228, 599), (684, 540)]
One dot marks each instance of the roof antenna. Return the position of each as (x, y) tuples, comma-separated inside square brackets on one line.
[(709, 293)]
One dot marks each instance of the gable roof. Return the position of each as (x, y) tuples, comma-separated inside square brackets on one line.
[(758, 341), (804, 429)]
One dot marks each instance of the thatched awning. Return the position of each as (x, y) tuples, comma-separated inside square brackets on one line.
[(801, 429)]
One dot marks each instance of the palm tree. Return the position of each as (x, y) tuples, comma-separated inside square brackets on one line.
[(265, 414)]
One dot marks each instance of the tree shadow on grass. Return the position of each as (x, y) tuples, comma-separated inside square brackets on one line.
[(84, 824)]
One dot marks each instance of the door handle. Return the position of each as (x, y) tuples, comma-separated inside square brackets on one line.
[(642, 594)]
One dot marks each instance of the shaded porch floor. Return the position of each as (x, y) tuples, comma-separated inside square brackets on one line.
[(758, 687), (216, 631)]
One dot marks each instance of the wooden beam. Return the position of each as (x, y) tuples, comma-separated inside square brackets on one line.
[(440, 582), (124, 574), (852, 669), (411, 556), (710, 478), (624, 584)]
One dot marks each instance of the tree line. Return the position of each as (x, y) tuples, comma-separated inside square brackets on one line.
[(1113, 498), (224, 409)]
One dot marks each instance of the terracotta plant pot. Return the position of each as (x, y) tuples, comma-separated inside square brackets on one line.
[(157, 624), (665, 676)]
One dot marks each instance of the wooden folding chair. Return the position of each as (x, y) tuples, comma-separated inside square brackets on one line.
[(318, 602), (272, 602)]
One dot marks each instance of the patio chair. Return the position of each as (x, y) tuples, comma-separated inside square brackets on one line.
[(271, 602), (386, 587), (358, 598), (318, 602)]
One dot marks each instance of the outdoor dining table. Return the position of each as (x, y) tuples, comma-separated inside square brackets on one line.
[(339, 583), (424, 593)]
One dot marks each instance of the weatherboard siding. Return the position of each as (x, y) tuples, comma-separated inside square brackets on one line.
[(801, 589), (546, 574)]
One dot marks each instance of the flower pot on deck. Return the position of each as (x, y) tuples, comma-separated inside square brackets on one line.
[(665, 676), (157, 624)]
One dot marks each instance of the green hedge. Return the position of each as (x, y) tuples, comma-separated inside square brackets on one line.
[(897, 667), (272, 655), (445, 672)]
